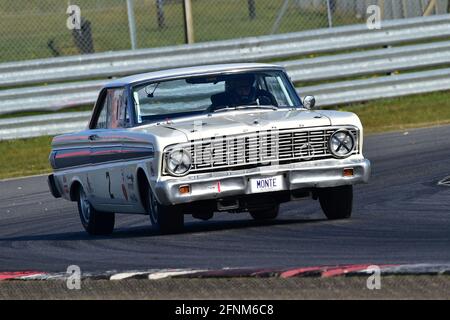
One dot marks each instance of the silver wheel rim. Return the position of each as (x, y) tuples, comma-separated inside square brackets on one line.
[(153, 207), (85, 206)]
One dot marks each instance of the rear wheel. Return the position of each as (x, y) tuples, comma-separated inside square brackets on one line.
[(268, 213), (337, 202), (94, 222), (166, 219)]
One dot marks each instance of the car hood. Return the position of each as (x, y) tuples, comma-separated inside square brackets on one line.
[(238, 122)]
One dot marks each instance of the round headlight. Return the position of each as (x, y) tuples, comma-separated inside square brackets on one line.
[(178, 162), (341, 143)]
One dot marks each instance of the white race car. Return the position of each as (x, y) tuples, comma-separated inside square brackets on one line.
[(198, 140)]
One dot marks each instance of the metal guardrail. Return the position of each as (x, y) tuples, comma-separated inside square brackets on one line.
[(370, 62), (247, 49), (52, 97), (377, 88), (49, 124), (326, 95), (56, 96)]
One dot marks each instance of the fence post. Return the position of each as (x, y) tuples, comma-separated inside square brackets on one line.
[(431, 6), (160, 14), (280, 16), (405, 9), (329, 12), (188, 21), (251, 9), (131, 24), (83, 37)]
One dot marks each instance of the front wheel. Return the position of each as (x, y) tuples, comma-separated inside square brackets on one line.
[(166, 219), (336, 202), (94, 222)]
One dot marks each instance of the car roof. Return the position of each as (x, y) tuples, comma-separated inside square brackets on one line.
[(191, 71)]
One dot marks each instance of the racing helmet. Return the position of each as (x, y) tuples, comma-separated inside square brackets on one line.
[(242, 88)]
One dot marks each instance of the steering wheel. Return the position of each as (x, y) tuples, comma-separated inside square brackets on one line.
[(267, 98)]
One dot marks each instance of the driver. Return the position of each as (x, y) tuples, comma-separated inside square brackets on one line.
[(241, 90)]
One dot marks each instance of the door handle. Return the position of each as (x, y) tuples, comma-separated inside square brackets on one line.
[(94, 137)]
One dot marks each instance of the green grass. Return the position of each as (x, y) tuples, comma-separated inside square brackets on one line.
[(424, 110), (24, 157), (26, 26), (30, 156)]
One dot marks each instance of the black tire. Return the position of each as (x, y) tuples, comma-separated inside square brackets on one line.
[(269, 213), (94, 222), (336, 202), (166, 219), (204, 215)]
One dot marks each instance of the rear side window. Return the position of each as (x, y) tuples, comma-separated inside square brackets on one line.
[(124, 115), (102, 120), (120, 117), (113, 111)]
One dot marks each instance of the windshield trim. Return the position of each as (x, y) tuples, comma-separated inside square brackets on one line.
[(212, 73)]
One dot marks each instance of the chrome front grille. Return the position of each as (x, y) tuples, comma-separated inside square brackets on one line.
[(262, 148)]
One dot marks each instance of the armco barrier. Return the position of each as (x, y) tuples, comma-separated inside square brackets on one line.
[(366, 62)]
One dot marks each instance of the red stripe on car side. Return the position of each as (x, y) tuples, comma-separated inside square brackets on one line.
[(72, 154), (15, 275), (300, 271)]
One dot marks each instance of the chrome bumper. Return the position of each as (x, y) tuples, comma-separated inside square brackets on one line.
[(216, 185)]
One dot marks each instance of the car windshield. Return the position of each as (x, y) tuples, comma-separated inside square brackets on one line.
[(208, 94)]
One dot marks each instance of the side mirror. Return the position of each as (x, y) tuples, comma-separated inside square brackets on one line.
[(309, 102)]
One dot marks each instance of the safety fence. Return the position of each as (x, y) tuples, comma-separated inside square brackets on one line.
[(52, 28), (343, 52)]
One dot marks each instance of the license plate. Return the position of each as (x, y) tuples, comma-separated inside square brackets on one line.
[(266, 184)]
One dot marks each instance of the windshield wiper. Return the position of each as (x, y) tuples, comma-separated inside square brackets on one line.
[(244, 107)]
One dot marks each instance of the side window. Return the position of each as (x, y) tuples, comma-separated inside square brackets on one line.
[(273, 85), (113, 114), (119, 116), (124, 115), (113, 111), (103, 115)]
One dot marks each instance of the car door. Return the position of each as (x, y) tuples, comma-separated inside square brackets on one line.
[(110, 150), (123, 174), (106, 147)]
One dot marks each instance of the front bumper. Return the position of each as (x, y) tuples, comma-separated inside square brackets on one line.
[(217, 185)]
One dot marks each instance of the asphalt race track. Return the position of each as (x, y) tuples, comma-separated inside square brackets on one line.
[(401, 216)]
